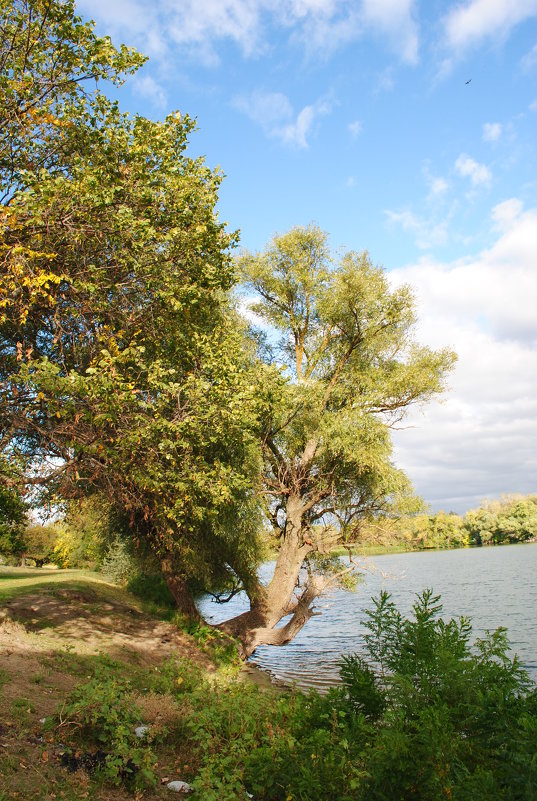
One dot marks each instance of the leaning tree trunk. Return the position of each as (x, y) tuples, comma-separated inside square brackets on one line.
[(277, 600), (178, 587)]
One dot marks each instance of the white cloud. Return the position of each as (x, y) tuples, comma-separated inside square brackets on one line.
[(395, 19), (355, 128), (438, 186), (274, 113), (492, 131), (385, 81), (482, 440), (505, 214), (128, 21), (266, 108), (479, 174), (428, 233), (295, 133), (145, 86), (530, 59), (197, 27), (472, 22)]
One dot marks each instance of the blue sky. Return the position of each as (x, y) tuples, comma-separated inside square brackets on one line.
[(358, 116)]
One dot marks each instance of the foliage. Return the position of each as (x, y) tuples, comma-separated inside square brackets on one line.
[(351, 369), (456, 721), (122, 365), (150, 587), (89, 526), (118, 564), (12, 514), (417, 531), (219, 647), (511, 519), (102, 711), (341, 368), (40, 540), (508, 520), (48, 58), (422, 714)]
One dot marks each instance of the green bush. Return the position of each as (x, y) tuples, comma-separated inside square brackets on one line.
[(511, 519), (219, 647), (102, 713), (152, 588), (118, 565), (12, 518), (455, 717), (421, 716)]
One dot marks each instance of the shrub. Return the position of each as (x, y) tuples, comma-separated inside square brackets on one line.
[(118, 565), (102, 712), (455, 717), (152, 588), (422, 715)]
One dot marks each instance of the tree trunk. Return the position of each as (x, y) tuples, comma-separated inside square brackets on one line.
[(277, 599), (177, 585)]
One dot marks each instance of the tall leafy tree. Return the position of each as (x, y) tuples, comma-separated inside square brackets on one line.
[(342, 369), (123, 368), (12, 513), (511, 519)]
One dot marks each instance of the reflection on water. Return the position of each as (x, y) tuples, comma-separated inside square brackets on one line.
[(493, 586)]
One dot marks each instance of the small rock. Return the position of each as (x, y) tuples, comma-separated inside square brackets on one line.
[(179, 787), (141, 731), (42, 720)]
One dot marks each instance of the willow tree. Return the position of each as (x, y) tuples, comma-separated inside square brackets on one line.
[(123, 369), (342, 368)]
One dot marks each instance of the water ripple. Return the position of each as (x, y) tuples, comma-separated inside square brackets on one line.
[(493, 586)]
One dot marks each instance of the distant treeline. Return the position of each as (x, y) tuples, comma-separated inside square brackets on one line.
[(89, 535), (511, 519)]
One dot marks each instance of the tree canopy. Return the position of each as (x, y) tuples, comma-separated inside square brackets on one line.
[(123, 368), (348, 368), (126, 371)]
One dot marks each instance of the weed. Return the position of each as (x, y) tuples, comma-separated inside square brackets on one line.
[(22, 705), (4, 678), (426, 717), (220, 647), (102, 713)]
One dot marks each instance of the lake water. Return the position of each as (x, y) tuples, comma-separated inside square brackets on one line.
[(494, 586)]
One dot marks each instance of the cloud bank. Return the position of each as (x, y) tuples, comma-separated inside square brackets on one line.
[(197, 28), (481, 441)]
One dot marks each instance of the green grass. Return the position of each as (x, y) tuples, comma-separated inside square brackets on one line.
[(373, 550), (15, 581)]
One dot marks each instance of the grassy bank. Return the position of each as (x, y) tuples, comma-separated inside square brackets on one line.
[(82, 665)]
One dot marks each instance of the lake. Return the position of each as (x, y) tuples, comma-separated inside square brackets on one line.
[(494, 586)]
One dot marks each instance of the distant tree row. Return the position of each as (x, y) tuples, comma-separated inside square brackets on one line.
[(90, 535), (511, 519)]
